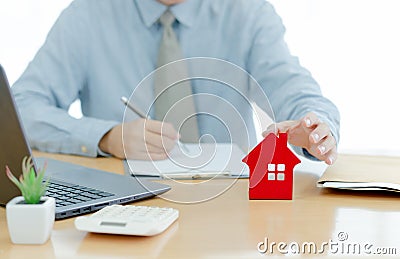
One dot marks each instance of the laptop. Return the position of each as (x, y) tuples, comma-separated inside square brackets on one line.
[(77, 189)]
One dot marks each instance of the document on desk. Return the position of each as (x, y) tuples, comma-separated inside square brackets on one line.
[(205, 160), (363, 173)]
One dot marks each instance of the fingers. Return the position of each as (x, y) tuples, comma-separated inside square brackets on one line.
[(159, 137), (320, 132), (325, 149), (309, 133), (148, 139), (158, 143), (322, 143), (310, 120), (331, 157), (161, 128), (279, 127)]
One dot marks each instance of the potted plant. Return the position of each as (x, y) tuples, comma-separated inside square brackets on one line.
[(30, 217)]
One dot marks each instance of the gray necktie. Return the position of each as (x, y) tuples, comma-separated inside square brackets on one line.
[(177, 97)]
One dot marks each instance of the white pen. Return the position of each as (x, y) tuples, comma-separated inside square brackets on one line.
[(144, 116), (134, 108)]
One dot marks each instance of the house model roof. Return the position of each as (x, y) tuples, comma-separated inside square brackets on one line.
[(273, 149)]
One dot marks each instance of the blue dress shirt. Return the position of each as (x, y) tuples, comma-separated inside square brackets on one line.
[(98, 51)]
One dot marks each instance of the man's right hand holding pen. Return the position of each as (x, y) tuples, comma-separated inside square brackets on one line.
[(142, 139)]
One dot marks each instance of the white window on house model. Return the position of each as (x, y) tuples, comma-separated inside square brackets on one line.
[(276, 172)]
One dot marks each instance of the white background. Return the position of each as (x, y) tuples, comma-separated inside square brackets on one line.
[(352, 48)]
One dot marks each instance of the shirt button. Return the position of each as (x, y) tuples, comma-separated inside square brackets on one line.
[(84, 149)]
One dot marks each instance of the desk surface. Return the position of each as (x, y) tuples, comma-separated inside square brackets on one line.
[(231, 226)]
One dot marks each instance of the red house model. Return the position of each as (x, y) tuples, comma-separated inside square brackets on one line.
[(271, 165)]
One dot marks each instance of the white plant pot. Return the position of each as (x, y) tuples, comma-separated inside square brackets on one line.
[(30, 223)]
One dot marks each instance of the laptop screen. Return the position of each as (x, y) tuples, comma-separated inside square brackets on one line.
[(13, 146)]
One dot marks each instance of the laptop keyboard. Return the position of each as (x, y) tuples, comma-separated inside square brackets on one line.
[(68, 194)]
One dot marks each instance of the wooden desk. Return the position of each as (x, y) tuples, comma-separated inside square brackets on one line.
[(231, 226)]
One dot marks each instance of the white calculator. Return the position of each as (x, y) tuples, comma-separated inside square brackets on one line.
[(128, 220)]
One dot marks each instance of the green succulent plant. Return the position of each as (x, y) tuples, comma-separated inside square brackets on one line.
[(30, 184)]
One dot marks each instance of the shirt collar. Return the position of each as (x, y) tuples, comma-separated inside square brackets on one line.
[(185, 12)]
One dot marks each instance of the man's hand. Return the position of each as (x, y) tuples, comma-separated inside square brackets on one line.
[(142, 139), (309, 133)]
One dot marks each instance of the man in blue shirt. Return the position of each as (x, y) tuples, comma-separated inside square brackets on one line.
[(98, 51)]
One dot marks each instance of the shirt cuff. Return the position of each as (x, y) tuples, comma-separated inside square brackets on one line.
[(89, 146), (102, 154)]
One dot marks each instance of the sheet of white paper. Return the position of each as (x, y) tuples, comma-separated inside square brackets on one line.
[(362, 186), (204, 158)]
